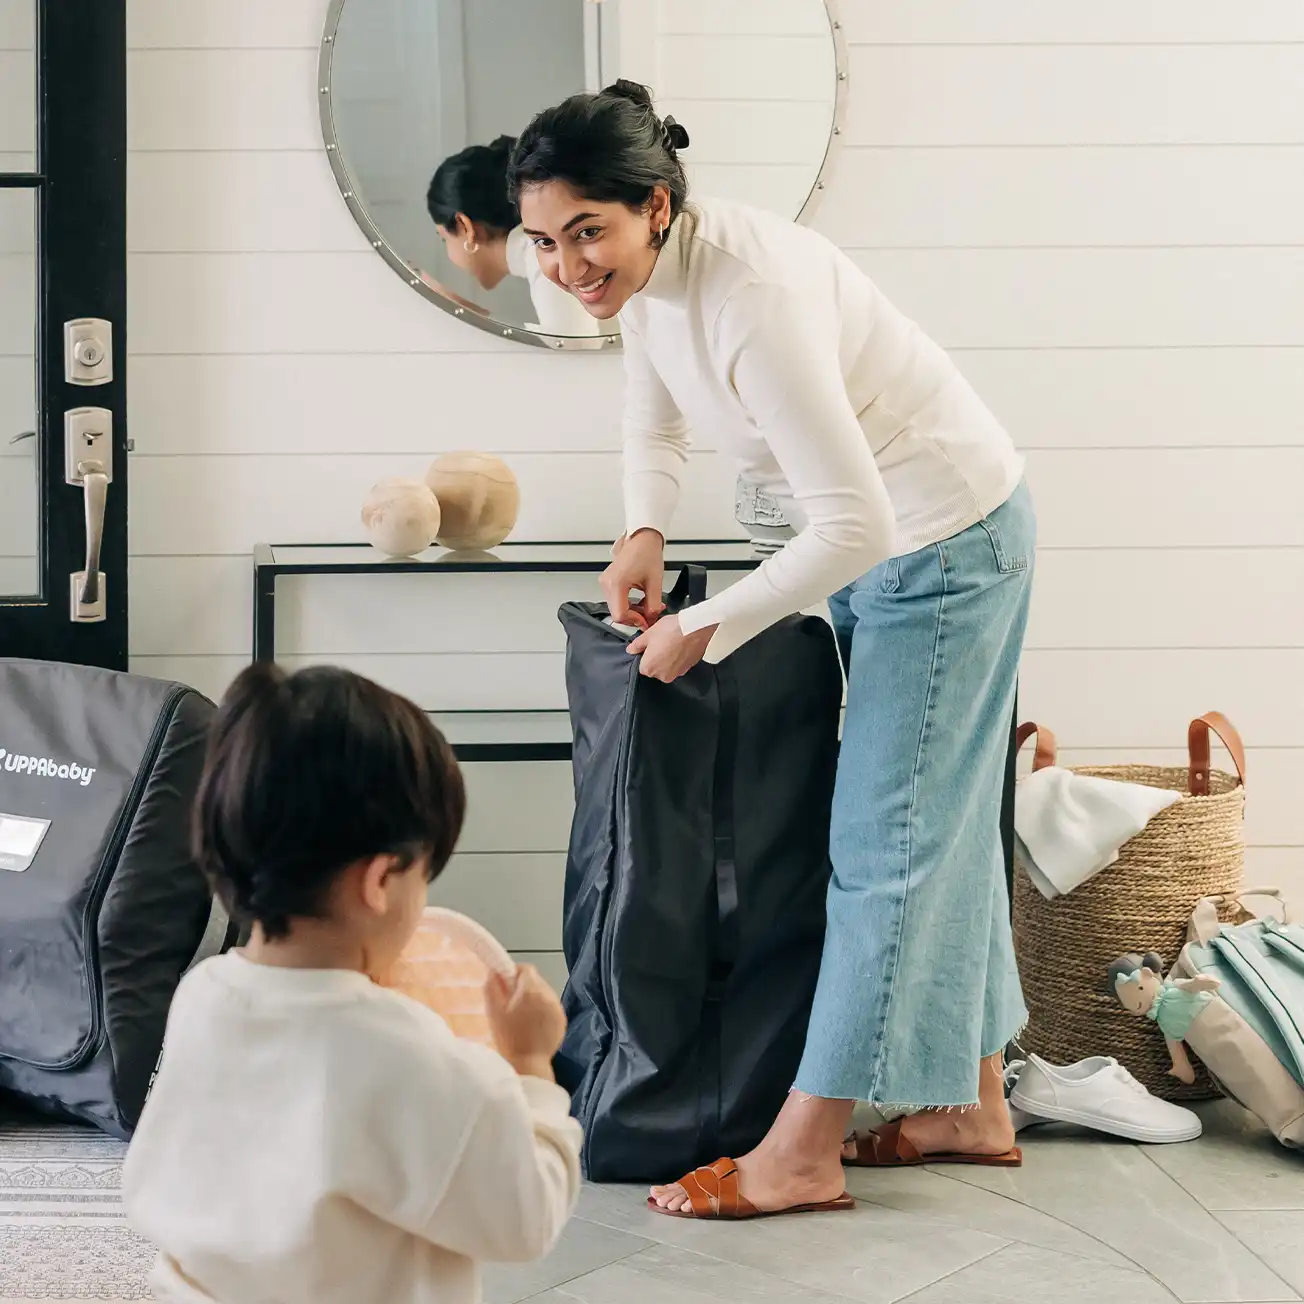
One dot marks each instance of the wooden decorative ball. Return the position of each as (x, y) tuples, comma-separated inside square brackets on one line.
[(401, 517), (478, 500)]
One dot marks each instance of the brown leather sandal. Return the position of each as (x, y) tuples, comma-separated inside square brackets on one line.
[(713, 1195), (887, 1148)]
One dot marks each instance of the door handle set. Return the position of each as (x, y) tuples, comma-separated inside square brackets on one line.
[(88, 444), (88, 456)]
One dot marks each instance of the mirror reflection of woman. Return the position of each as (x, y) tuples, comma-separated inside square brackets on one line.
[(914, 522), (480, 227)]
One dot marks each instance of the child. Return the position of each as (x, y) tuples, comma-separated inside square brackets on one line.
[(312, 1136)]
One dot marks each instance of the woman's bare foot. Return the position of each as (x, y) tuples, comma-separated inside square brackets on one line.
[(984, 1129), (767, 1183), (799, 1162), (978, 1131)]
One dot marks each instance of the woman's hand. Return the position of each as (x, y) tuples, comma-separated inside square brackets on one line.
[(667, 651), (638, 563)]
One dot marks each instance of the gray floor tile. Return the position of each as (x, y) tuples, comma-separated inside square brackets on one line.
[(584, 1247), (1236, 1164), (665, 1274), (873, 1254), (1029, 1273), (1114, 1192), (1276, 1236), (930, 1194)]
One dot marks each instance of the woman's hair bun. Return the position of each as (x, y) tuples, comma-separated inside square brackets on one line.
[(630, 90), (673, 136), (503, 146)]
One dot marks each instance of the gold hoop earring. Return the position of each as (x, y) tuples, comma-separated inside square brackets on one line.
[(470, 247)]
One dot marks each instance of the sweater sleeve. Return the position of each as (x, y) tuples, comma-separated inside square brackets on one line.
[(518, 1176), (456, 1149), (656, 441), (790, 384)]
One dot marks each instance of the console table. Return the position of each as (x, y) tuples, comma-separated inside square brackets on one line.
[(488, 735)]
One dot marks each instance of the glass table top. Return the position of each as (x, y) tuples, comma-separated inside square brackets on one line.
[(725, 554)]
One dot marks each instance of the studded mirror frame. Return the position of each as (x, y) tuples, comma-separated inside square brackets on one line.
[(557, 343)]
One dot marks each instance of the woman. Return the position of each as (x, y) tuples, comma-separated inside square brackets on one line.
[(481, 231), (913, 520)]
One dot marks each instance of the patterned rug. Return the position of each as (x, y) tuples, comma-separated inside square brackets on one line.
[(62, 1231)]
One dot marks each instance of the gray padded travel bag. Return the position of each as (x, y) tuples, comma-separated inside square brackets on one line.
[(102, 907)]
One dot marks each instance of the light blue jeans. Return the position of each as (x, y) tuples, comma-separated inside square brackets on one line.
[(918, 981)]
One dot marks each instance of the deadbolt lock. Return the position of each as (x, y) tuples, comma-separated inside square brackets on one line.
[(88, 351)]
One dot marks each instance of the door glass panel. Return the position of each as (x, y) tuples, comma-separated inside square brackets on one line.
[(17, 86), (19, 486)]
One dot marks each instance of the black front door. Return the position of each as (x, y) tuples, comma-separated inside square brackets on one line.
[(63, 331)]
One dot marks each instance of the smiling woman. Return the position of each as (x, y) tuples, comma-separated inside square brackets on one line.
[(423, 100), (599, 182)]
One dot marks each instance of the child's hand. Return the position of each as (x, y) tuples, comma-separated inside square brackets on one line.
[(526, 1019)]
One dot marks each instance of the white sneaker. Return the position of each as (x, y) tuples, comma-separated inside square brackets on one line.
[(1018, 1117), (1101, 1094)]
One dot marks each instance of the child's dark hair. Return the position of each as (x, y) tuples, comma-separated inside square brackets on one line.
[(306, 774), (474, 182), (610, 147)]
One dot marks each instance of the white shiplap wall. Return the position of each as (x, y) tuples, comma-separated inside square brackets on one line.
[(755, 84), (1097, 208)]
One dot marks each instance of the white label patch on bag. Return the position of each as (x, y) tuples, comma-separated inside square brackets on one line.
[(46, 768), (20, 840)]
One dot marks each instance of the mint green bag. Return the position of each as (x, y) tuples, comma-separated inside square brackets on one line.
[(1251, 1036)]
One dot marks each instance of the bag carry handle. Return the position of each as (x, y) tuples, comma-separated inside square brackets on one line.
[(1205, 925), (1197, 742), (689, 590), (1047, 747)]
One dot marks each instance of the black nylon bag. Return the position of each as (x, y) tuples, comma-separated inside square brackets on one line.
[(102, 907), (695, 888)]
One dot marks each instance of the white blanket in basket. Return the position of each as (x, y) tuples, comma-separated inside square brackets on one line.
[(1071, 826)]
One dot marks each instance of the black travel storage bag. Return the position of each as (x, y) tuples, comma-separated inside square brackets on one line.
[(102, 907), (695, 888)]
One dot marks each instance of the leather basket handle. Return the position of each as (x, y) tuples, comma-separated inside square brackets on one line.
[(1197, 742), (1047, 748)]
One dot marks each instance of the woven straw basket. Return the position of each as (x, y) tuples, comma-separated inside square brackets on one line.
[(1141, 903)]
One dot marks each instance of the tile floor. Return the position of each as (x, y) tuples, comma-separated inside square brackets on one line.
[(1085, 1221)]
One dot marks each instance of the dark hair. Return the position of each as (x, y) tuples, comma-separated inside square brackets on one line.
[(1126, 965), (474, 181), (309, 773), (610, 147)]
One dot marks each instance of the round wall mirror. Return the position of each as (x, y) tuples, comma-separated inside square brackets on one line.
[(409, 85)]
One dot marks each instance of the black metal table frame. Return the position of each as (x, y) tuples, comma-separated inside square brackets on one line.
[(267, 570)]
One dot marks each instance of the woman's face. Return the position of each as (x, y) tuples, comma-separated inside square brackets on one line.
[(601, 253)]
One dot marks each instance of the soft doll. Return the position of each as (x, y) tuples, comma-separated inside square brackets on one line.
[(401, 517), (478, 499), (1173, 1003)]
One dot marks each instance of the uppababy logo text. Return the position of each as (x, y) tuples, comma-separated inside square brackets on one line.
[(46, 769)]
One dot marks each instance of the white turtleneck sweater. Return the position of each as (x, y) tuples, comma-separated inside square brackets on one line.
[(766, 336)]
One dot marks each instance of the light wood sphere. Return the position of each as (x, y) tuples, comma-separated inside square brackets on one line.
[(478, 500), (401, 517)]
